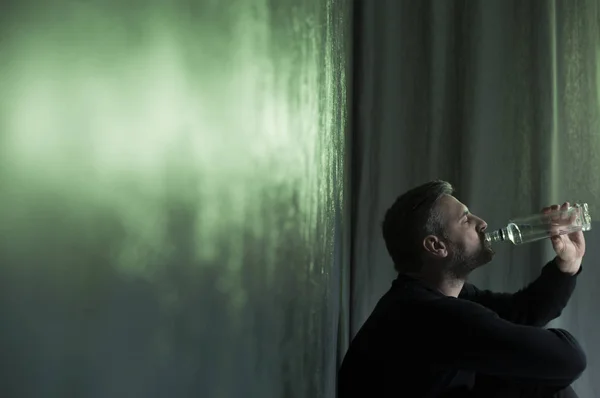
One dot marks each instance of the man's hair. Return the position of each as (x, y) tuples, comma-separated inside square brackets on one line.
[(412, 217)]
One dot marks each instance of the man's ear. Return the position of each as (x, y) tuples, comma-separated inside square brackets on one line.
[(434, 246)]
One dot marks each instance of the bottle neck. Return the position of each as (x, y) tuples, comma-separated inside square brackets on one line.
[(499, 235)]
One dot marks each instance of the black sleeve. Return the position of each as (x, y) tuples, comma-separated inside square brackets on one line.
[(537, 304), (464, 335)]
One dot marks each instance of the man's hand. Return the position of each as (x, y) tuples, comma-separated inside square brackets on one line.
[(569, 248)]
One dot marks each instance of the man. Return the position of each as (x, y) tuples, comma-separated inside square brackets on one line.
[(434, 335)]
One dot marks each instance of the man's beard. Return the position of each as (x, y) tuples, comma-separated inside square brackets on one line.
[(461, 264)]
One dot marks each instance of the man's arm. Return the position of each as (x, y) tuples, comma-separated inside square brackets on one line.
[(537, 304), (464, 335)]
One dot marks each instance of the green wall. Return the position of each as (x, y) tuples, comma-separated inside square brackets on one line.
[(172, 182)]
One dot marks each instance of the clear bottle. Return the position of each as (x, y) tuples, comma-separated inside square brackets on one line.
[(535, 227)]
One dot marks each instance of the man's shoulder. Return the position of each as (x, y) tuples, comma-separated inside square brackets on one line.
[(407, 301)]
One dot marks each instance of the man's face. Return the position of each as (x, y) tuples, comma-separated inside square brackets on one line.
[(467, 248)]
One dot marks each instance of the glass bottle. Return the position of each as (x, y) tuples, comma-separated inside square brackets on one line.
[(535, 227)]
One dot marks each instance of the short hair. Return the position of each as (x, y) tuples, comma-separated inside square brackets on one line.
[(413, 216)]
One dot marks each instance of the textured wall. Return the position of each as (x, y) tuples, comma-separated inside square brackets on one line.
[(173, 197)]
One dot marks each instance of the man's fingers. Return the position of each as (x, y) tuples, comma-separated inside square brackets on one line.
[(556, 219), (549, 209)]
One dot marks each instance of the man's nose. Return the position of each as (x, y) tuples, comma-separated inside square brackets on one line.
[(482, 226)]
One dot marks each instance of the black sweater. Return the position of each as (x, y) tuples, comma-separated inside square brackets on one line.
[(421, 343)]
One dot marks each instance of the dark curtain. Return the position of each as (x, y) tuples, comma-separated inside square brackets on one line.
[(499, 97)]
